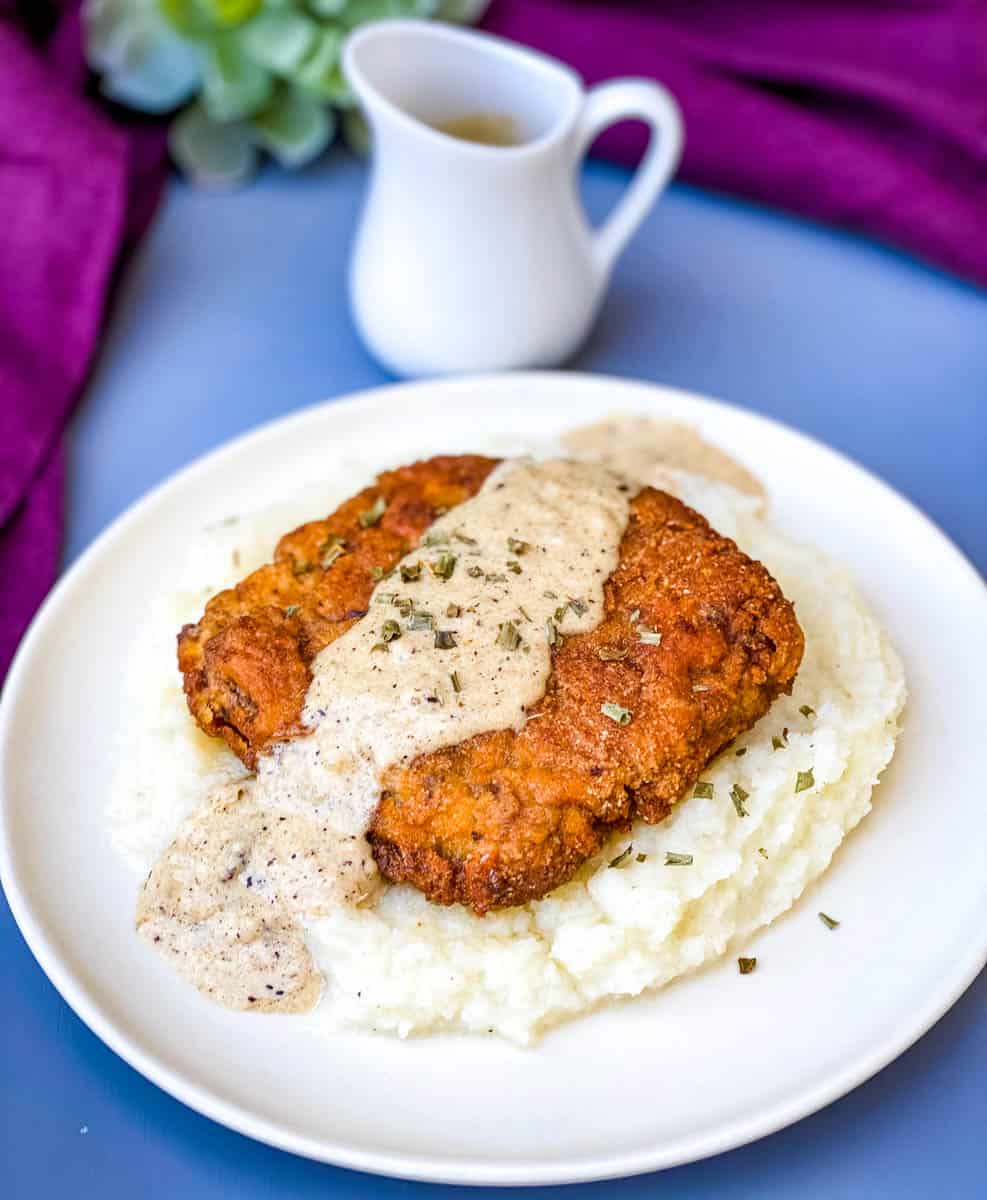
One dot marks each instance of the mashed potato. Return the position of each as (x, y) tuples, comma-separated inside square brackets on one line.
[(805, 775)]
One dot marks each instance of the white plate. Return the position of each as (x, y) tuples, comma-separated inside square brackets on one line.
[(707, 1064)]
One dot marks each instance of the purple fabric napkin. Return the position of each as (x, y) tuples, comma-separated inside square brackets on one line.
[(870, 115), (74, 190)]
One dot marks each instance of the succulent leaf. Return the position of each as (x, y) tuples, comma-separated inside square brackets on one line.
[(211, 154), (279, 39), (228, 13), (233, 85), (143, 62), (294, 128), (321, 72)]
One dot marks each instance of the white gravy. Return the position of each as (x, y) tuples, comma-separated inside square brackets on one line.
[(639, 447), (456, 641)]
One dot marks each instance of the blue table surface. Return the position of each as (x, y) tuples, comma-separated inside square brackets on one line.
[(233, 312)]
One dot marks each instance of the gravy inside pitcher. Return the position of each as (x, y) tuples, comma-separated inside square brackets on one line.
[(487, 128)]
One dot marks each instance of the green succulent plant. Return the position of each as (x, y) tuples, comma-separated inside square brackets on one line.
[(242, 76)]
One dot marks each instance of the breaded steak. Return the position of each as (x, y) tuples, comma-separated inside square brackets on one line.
[(507, 816)]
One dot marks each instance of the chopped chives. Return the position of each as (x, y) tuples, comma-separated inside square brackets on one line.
[(508, 637), (612, 653), (374, 513), (616, 713), (677, 860), (443, 566), (622, 856)]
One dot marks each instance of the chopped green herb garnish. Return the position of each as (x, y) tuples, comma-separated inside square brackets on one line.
[(453, 610), (641, 857), (496, 577), (806, 711), (299, 567), (459, 536), (474, 572), (777, 743), (404, 605), (378, 646), (552, 633), (559, 614), (420, 620), (804, 781), (389, 631), (650, 637), (621, 857), (550, 595), (700, 687), (331, 549), (443, 566), (374, 513), (410, 572), (508, 637), (516, 546), (377, 574), (738, 796), (386, 598), (703, 790), (634, 615), (677, 860), (828, 921), (445, 639), (523, 613), (612, 653), (454, 679), (291, 610), (435, 537), (579, 607), (617, 713), (514, 567), (763, 853), (746, 965), (741, 752)]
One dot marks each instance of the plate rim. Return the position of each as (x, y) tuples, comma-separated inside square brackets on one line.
[(474, 1172)]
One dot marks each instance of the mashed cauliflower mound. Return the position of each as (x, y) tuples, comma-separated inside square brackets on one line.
[(406, 966)]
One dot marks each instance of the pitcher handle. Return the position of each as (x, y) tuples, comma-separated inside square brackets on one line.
[(621, 100)]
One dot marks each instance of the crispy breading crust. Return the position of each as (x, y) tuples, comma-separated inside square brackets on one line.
[(507, 816)]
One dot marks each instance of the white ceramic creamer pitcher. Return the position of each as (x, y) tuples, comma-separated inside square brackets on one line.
[(476, 257)]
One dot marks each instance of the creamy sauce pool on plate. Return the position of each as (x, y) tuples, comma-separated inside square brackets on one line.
[(456, 641)]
